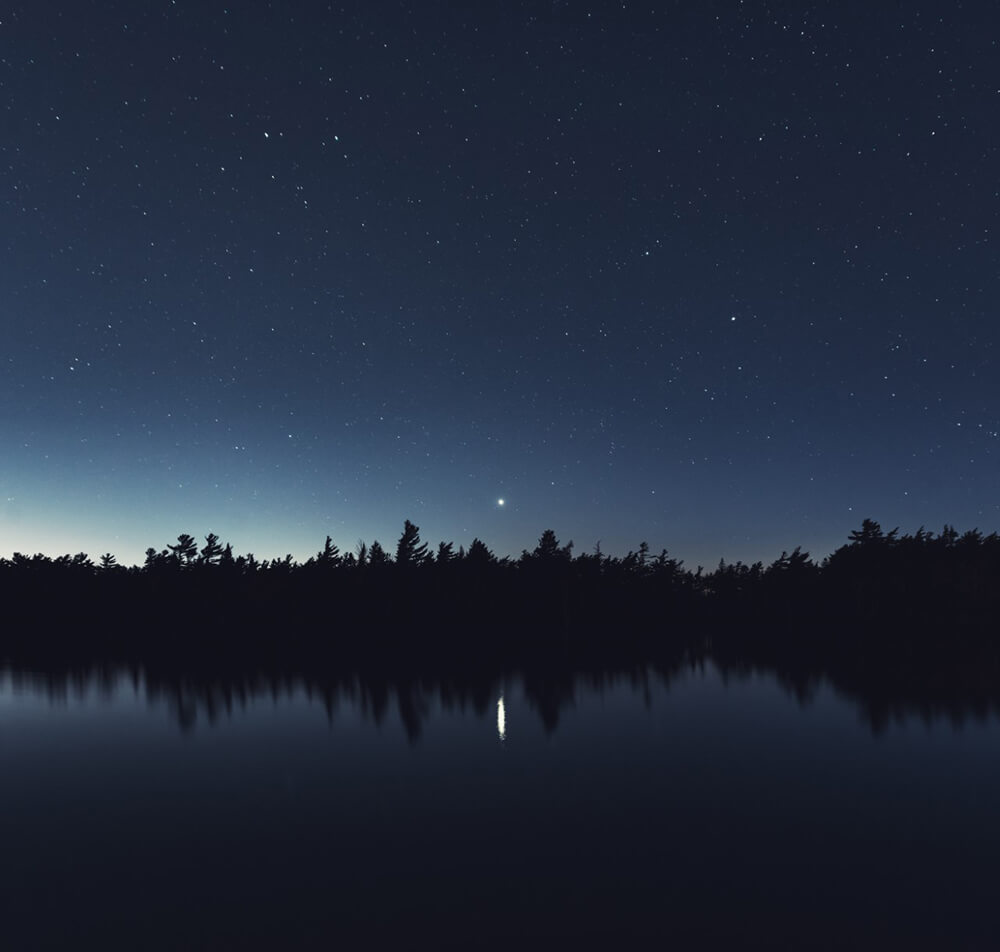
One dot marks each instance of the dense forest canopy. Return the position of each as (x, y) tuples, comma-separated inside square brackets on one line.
[(921, 577)]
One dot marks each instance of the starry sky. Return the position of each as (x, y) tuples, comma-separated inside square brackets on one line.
[(718, 276)]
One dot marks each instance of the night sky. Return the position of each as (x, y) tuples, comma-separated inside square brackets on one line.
[(719, 276)]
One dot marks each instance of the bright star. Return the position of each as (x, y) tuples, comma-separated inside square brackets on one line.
[(499, 502)]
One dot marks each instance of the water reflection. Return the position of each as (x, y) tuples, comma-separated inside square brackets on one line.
[(694, 802), (956, 694)]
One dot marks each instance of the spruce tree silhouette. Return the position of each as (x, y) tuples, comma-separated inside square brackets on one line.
[(871, 533), (479, 553), (410, 550), (211, 551), (329, 555), (185, 550), (548, 549)]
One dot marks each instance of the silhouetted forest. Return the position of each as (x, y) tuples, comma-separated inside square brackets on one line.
[(882, 606), (876, 591)]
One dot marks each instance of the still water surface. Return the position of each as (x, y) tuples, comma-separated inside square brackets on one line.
[(704, 811)]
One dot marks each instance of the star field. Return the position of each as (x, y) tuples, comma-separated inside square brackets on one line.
[(718, 276)]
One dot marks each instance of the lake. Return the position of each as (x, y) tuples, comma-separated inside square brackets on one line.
[(685, 806)]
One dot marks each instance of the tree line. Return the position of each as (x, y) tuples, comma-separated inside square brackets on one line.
[(416, 597)]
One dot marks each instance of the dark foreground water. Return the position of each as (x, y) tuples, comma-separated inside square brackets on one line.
[(695, 810)]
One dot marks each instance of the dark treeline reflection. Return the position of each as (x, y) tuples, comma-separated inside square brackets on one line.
[(209, 695), (883, 689)]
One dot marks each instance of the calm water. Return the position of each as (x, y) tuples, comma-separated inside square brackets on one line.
[(706, 811)]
